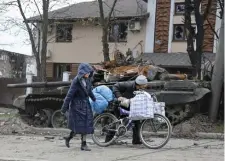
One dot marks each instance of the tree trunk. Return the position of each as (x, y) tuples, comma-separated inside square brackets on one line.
[(105, 44), (44, 39), (199, 19), (38, 67), (190, 36), (105, 21)]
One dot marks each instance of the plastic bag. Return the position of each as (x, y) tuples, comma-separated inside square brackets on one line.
[(100, 104), (105, 91), (141, 107)]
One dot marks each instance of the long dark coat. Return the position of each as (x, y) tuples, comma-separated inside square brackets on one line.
[(80, 115)]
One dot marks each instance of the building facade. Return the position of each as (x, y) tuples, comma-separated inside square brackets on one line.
[(155, 26)]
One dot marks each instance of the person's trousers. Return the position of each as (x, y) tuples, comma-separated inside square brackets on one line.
[(83, 136)]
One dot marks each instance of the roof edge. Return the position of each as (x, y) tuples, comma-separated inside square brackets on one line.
[(144, 16)]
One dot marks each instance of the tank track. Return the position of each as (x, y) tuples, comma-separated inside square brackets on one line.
[(175, 113), (44, 99), (39, 110)]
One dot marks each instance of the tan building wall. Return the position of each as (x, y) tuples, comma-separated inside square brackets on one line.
[(86, 45)]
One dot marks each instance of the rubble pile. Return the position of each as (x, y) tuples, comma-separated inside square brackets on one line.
[(127, 68)]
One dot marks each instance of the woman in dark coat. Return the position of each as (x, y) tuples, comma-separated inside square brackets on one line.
[(80, 115)]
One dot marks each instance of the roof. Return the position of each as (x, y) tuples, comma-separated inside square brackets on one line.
[(172, 59), (5, 52), (123, 8)]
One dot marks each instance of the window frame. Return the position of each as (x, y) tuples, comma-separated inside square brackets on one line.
[(180, 14), (175, 8), (65, 38), (56, 68), (111, 32), (185, 36)]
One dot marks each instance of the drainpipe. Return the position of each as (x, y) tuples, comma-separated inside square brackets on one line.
[(218, 76), (170, 38), (150, 27), (217, 28)]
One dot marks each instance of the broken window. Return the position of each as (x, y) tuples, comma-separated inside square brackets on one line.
[(118, 32), (60, 68), (179, 32), (179, 8), (64, 32)]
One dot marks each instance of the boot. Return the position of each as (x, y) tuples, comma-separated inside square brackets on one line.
[(67, 139), (84, 146)]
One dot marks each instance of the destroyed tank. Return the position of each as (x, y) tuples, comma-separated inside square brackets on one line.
[(183, 98)]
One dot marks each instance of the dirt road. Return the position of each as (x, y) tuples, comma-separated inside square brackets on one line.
[(39, 148)]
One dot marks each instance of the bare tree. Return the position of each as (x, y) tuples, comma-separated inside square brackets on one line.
[(105, 22), (196, 54), (40, 55)]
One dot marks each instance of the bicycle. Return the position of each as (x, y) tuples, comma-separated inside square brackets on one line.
[(119, 127)]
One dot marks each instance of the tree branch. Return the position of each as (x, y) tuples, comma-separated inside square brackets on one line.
[(111, 11), (38, 8), (102, 17), (211, 27), (28, 29), (207, 10)]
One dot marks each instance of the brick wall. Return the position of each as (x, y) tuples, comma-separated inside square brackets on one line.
[(162, 25), (209, 35)]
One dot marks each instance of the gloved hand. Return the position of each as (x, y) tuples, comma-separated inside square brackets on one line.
[(125, 102), (121, 99), (63, 111)]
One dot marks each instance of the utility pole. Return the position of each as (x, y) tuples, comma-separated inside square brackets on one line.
[(218, 76)]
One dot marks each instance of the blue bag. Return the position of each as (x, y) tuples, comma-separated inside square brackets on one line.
[(105, 92), (100, 104)]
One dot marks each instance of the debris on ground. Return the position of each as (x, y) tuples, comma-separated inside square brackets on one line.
[(12, 123), (198, 123)]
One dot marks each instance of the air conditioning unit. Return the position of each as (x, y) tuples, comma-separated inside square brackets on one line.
[(49, 53), (134, 26)]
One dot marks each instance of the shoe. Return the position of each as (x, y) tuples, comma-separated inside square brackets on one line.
[(84, 146), (67, 141)]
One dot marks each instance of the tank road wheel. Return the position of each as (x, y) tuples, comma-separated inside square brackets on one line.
[(179, 113), (58, 120), (43, 118)]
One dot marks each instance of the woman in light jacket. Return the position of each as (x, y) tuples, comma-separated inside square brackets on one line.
[(76, 102)]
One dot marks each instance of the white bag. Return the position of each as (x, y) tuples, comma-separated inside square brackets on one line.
[(159, 108), (141, 107)]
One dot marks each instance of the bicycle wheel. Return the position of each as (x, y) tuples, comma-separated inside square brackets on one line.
[(156, 135), (108, 126), (58, 120)]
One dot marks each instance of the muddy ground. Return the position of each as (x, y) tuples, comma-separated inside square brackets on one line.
[(20, 142), (39, 148)]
